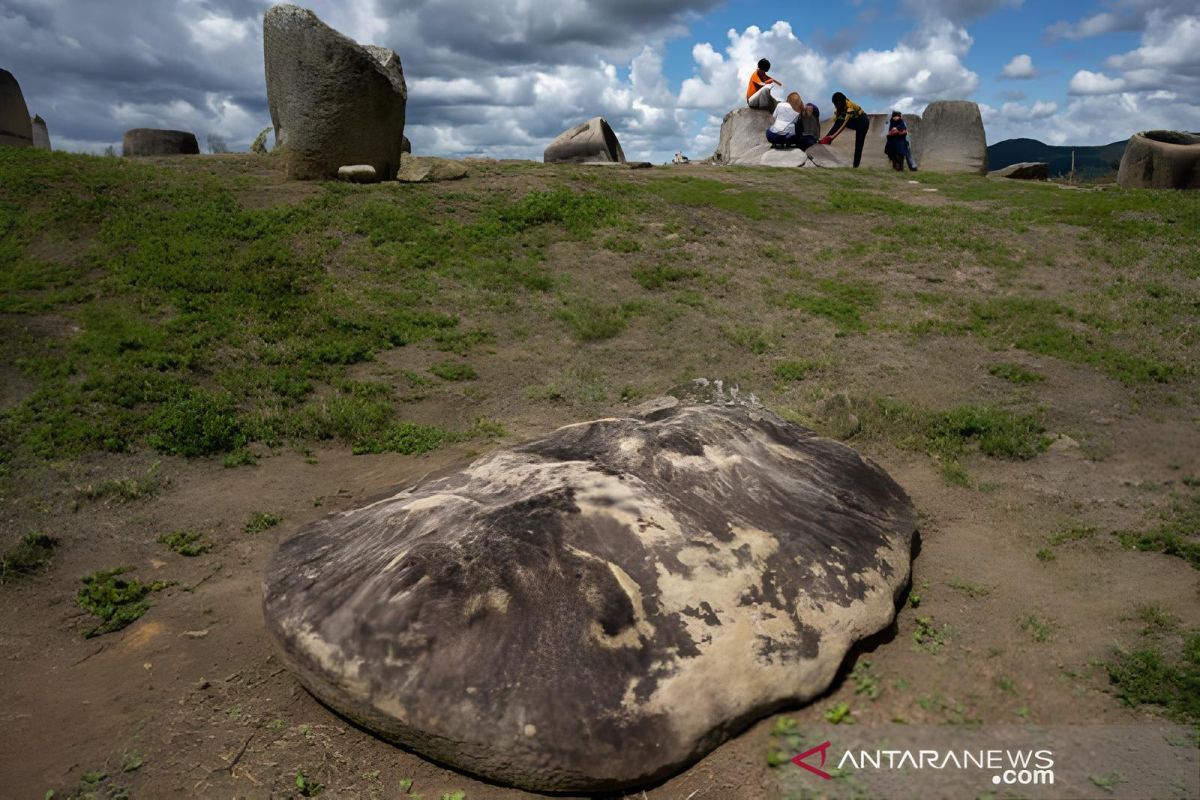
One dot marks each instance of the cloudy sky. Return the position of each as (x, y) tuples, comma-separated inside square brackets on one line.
[(503, 77)]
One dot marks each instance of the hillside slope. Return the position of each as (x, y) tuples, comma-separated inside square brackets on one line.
[(1090, 162)]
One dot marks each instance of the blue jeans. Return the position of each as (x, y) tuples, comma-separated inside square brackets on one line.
[(801, 140)]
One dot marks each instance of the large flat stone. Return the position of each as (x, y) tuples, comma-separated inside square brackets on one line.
[(596, 609)]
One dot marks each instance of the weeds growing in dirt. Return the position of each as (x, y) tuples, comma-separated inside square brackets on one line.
[(27, 556), (261, 521), (1178, 535), (185, 543), (114, 600)]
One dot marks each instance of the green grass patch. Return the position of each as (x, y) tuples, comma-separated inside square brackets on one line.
[(998, 433), (115, 601), (127, 489), (709, 193), (26, 557), (661, 275), (1178, 535), (1015, 373), (591, 322), (1156, 675), (622, 244), (1073, 533), (185, 543), (841, 302), (1049, 328), (1038, 628), (756, 340), (929, 638), (454, 371), (794, 370), (972, 590), (261, 521)]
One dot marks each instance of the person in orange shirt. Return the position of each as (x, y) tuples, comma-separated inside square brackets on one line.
[(758, 93)]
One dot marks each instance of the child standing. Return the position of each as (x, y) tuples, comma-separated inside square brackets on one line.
[(897, 148)]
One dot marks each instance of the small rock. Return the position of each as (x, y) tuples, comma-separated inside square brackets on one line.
[(358, 173), (427, 170), (195, 634)]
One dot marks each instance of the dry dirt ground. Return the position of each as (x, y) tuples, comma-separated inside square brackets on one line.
[(191, 700)]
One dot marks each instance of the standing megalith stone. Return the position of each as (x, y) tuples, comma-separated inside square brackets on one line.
[(951, 138), (41, 134), (593, 140), (15, 127), (1161, 160), (155, 142), (595, 609), (332, 101)]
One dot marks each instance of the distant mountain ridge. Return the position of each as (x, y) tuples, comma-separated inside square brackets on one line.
[(1090, 162)]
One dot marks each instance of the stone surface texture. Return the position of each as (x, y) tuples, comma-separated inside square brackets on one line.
[(41, 134), (332, 101), (950, 138), (15, 129), (593, 140), (1025, 171), (419, 169), (358, 173), (598, 608), (155, 142), (1161, 160)]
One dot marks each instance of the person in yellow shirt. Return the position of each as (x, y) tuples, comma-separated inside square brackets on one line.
[(848, 114), (758, 93)]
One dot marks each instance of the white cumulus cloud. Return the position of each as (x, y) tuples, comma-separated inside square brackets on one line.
[(1020, 68)]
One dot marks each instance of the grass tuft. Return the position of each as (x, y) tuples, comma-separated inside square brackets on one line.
[(115, 601), (27, 557)]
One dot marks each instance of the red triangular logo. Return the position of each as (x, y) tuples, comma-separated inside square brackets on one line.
[(820, 773)]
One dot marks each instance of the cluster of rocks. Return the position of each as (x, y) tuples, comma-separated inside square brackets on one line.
[(17, 128), (948, 137), (598, 608)]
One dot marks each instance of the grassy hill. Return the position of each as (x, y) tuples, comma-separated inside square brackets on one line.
[(198, 356), (1090, 162)]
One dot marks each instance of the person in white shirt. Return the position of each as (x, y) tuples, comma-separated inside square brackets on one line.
[(787, 127)]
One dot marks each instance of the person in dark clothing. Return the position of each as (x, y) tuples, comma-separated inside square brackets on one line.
[(848, 114), (787, 125), (897, 148)]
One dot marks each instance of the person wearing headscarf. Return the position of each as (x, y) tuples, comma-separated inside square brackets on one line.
[(897, 148)]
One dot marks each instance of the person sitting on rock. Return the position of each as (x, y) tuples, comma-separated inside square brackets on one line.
[(758, 93), (810, 123), (787, 129), (897, 148), (849, 114)]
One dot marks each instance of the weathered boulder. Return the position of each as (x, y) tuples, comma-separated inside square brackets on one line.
[(405, 145), (1161, 160), (416, 169), (41, 134), (15, 129), (743, 139), (593, 140), (358, 173), (950, 138), (1025, 171), (332, 101), (155, 142), (598, 608)]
